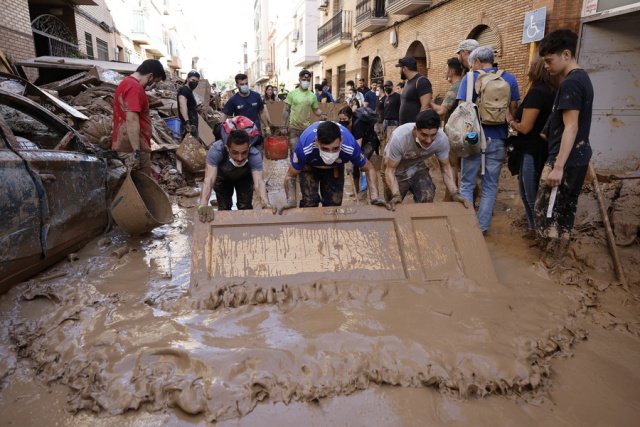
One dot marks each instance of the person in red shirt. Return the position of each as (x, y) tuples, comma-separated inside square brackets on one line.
[(131, 121)]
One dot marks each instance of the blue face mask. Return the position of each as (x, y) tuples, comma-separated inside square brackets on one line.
[(244, 89)]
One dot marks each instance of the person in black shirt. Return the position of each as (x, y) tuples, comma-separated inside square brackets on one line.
[(321, 94), (417, 92), (569, 148), (187, 107), (389, 110), (529, 148)]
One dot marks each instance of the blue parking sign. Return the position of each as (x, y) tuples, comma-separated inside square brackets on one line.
[(534, 21)]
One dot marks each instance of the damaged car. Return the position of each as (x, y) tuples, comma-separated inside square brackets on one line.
[(53, 197)]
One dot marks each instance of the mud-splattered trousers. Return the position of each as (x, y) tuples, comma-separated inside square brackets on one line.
[(420, 184), (494, 159), (243, 186), (555, 232), (329, 182), (294, 136)]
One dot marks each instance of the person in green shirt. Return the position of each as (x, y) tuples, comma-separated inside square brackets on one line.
[(300, 103)]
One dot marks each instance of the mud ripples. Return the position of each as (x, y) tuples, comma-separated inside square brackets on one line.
[(240, 344)]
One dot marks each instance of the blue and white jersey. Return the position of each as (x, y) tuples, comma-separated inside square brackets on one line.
[(307, 152)]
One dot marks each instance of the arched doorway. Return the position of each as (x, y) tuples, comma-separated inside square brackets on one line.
[(485, 36), (417, 50), (377, 71), (52, 37)]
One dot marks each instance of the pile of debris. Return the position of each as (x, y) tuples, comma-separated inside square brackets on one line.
[(85, 101)]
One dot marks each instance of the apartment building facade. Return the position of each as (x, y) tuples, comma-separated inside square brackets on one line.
[(107, 30), (365, 38)]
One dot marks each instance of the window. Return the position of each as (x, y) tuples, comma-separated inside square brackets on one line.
[(89, 43), (103, 50)]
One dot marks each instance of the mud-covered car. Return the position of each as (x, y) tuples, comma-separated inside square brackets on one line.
[(52, 189)]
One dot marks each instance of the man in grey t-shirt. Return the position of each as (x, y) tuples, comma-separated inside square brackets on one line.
[(405, 160), (234, 165)]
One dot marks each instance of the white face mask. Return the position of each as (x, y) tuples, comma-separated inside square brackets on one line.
[(238, 165), (377, 93), (305, 85), (329, 158)]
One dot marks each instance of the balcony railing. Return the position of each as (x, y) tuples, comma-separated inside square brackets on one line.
[(338, 27), (369, 9), (140, 21)]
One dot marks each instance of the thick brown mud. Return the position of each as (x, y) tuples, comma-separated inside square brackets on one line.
[(116, 336)]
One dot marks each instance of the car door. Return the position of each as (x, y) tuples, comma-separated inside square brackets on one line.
[(20, 211), (71, 184)]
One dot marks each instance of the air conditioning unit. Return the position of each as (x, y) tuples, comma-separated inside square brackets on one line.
[(296, 34), (323, 5)]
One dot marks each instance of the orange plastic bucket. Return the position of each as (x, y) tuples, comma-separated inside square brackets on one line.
[(276, 148)]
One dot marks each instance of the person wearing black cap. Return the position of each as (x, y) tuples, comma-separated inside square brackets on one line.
[(298, 107), (405, 160), (187, 106), (389, 110), (416, 95)]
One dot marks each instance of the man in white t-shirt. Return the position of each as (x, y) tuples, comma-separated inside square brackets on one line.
[(405, 160)]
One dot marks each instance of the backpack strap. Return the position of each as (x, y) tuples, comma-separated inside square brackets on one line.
[(470, 86), (499, 73), (418, 81)]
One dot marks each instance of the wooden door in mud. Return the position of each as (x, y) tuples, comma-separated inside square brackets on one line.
[(420, 242)]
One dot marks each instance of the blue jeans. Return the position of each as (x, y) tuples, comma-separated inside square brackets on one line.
[(494, 159), (528, 181)]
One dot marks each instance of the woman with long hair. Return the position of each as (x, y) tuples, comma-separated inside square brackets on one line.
[(530, 150), (269, 95)]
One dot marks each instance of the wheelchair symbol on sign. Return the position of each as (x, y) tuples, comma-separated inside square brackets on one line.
[(532, 28)]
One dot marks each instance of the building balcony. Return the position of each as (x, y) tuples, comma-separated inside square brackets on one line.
[(335, 34), (175, 62), (139, 26), (370, 15), (406, 7), (265, 72)]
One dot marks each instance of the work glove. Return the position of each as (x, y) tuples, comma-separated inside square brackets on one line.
[(289, 205), (323, 116), (267, 133), (284, 130), (135, 161), (457, 197), (395, 199), (205, 213), (379, 202)]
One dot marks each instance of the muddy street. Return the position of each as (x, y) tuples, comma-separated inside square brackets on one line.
[(117, 335)]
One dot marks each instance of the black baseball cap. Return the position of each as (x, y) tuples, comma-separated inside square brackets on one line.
[(388, 83), (304, 73), (407, 61)]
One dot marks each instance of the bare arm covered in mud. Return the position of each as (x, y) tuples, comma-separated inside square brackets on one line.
[(450, 182), (372, 181), (205, 211), (260, 187)]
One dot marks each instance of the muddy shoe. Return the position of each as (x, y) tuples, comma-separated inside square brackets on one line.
[(531, 235)]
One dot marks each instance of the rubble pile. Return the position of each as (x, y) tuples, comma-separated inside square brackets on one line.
[(85, 101)]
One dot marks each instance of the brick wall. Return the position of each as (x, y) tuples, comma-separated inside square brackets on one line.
[(16, 39), (442, 28)]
